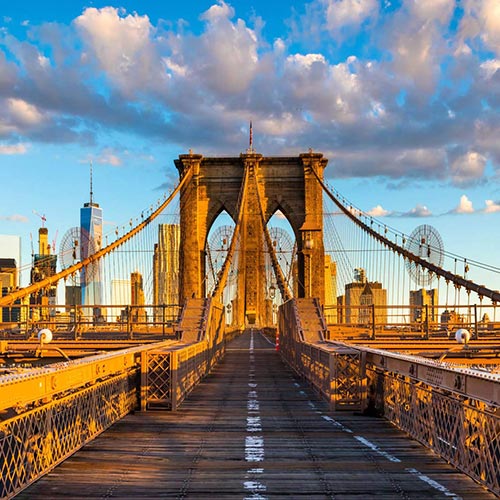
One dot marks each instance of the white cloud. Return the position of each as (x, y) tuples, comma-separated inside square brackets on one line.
[(378, 211), (22, 112), (122, 45), (416, 41), (216, 12), (491, 206), (13, 149), (225, 57), (15, 218), (464, 206), (490, 67), (340, 13), (482, 20), (467, 168), (418, 211)]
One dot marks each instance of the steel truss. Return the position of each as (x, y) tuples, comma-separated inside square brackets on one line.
[(464, 431), (33, 443)]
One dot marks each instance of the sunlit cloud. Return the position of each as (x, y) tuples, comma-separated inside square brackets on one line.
[(381, 113), (14, 218), (418, 211), (378, 211), (13, 149), (491, 206), (464, 206)]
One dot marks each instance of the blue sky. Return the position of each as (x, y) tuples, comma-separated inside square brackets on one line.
[(401, 96)]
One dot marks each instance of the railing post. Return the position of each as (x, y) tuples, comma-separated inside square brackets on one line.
[(426, 321), (332, 381), (476, 329), (373, 321), (174, 367), (129, 323), (163, 320), (144, 381)]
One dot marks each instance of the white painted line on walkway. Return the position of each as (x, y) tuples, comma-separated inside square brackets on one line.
[(254, 445), (434, 484), (376, 449)]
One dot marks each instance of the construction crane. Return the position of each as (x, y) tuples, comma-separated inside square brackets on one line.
[(41, 217)]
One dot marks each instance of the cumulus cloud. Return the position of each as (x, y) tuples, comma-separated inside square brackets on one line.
[(417, 102), (492, 206), (481, 20), (464, 206), (378, 211), (15, 218), (122, 46), (416, 41), (13, 149), (468, 168), (418, 211), (348, 13)]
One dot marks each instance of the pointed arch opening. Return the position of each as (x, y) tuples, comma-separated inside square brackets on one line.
[(285, 249), (217, 245)]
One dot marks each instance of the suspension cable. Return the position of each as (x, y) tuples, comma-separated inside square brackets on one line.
[(91, 259), (481, 290)]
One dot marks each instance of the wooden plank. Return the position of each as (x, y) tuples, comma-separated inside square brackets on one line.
[(252, 430)]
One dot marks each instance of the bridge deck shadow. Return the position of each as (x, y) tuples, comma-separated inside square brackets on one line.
[(252, 430)]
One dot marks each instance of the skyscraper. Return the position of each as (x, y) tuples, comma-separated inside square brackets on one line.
[(90, 241), (330, 289), (166, 265)]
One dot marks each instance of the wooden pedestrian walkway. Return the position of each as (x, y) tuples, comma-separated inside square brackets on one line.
[(251, 430)]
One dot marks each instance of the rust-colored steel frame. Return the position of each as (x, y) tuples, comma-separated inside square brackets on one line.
[(34, 442), (336, 372), (19, 391), (466, 383), (464, 431)]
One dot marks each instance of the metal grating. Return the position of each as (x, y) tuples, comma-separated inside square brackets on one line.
[(159, 393), (463, 431), (33, 443), (347, 390)]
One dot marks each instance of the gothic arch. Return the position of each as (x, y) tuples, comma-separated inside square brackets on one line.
[(289, 184)]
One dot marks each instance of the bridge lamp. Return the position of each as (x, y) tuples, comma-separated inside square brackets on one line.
[(309, 244), (272, 291)]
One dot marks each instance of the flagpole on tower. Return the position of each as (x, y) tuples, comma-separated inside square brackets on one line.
[(250, 141)]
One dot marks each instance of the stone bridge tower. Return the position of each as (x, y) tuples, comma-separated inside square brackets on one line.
[(288, 184)]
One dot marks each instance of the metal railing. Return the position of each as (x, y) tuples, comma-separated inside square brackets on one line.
[(335, 372), (26, 320), (453, 411), (426, 321), (49, 413)]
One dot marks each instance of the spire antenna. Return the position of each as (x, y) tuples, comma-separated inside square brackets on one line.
[(91, 192)]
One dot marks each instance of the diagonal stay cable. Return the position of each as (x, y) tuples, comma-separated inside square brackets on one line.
[(278, 272), (221, 283), (459, 281)]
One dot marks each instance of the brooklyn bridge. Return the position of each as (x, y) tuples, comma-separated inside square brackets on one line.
[(251, 335)]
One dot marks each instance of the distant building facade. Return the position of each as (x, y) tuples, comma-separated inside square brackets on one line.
[(423, 305), (43, 267), (166, 266), (330, 290), (138, 312), (358, 301)]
